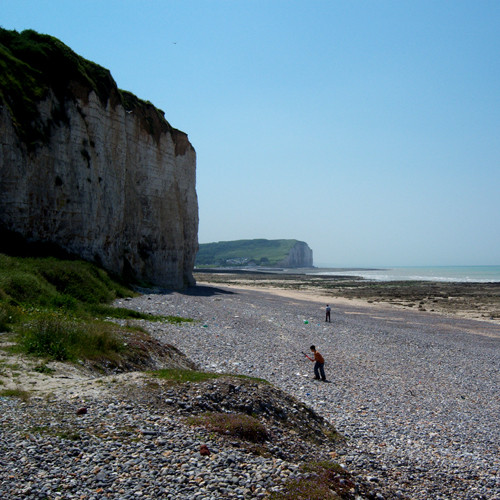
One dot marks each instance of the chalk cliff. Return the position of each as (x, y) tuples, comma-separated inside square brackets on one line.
[(300, 255), (94, 169)]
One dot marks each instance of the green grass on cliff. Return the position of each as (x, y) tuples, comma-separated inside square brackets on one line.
[(59, 308), (242, 252), (33, 64)]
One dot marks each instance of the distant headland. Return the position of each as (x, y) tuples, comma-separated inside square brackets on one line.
[(256, 252)]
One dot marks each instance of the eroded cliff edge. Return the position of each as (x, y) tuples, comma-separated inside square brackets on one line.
[(91, 168)]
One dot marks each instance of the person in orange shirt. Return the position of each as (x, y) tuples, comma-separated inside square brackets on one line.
[(319, 364)]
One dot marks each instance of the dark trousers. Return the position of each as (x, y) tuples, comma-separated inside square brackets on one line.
[(319, 368), (328, 316)]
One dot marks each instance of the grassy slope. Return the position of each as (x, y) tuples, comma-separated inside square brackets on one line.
[(58, 308), (260, 251)]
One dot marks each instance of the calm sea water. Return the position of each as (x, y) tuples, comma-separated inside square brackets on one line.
[(463, 274)]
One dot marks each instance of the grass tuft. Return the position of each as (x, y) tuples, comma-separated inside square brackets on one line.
[(326, 481), (8, 316), (43, 368), (105, 310), (15, 393), (180, 376), (233, 424)]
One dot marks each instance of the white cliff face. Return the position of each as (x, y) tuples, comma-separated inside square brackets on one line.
[(300, 255), (105, 188)]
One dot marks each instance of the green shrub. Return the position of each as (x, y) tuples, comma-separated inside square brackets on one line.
[(43, 368), (80, 280), (63, 301), (24, 287), (54, 283)]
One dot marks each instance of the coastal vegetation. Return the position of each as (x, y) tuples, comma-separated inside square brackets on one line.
[(178, 375), (257, 252), (33, 65), (324, 481), (61, 309), (238, 425)]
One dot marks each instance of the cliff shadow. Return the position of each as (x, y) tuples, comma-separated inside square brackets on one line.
[(205, 291), (192, 291)]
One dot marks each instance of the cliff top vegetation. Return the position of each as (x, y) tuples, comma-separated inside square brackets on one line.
[(244, 252), (33, 64)]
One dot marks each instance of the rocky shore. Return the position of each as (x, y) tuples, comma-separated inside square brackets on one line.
[(134, 435), (415, 393)]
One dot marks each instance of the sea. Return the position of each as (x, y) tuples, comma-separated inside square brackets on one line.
[(457, 274)]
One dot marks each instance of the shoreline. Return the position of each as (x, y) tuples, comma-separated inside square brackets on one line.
[(478, 301)]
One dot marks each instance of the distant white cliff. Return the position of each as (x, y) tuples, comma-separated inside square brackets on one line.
[(300, 255)]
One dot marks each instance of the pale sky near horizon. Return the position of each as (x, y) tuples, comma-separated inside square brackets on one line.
[(368, 129)]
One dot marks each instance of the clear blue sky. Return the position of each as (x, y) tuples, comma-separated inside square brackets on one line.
[(368, 129)]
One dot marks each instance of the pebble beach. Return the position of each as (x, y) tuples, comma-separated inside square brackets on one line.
[(415, 394)]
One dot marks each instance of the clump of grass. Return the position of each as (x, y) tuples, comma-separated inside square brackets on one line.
[(52, 335), (124, 313), (305, 489), (234, 424), (252, 379), (15, 393), (43, 368), (180, 375), (70, 435), (82, 281), (333, 436), (54, 284), (327, 481)]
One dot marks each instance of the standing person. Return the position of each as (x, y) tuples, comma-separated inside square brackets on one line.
[(319, 364), (328, 309)]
